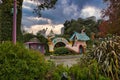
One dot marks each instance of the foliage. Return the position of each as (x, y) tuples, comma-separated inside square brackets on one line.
[(103, 63), (86, 69), (104, 29), (19, 63), (42, 38), (90, 43), (7, 17), (0, 24), (112, 12), (77, 25), (61, 50), (28, 36), (108, 57), (44, 4), (56, 73)]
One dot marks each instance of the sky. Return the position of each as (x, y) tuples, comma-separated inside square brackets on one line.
[(55, 18), (0, 1)]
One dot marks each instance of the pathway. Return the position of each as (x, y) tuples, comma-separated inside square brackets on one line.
[(67, 60)]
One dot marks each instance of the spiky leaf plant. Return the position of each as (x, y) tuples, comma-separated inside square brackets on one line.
[(107, 55)]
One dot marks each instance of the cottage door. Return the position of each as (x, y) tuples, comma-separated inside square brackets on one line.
[(81, 49)]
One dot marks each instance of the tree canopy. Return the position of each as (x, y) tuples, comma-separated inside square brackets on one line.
[(44, 4), (112, 12), (6, 17), (90, 24), (6, 20)]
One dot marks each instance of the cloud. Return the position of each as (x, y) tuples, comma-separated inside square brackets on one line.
[(71, 9), (34, 29), (29, 18), (27, 8), (88, 11), (64, 10), (31, 21)]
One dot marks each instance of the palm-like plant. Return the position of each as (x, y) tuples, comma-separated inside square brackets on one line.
[(108, 57)]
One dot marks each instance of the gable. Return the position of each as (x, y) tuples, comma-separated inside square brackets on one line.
[(80, 36)]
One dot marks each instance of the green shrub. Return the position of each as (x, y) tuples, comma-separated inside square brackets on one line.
[(19, 63), (61, 50), (103, 78), (86, 71), (55, 73)]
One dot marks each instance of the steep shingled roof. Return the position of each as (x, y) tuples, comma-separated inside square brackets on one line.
[(79, 36)]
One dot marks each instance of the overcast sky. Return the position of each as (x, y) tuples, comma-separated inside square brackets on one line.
[(64, 10)]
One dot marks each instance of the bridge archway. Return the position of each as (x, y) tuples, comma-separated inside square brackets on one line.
[(56, 41), (59, 44)]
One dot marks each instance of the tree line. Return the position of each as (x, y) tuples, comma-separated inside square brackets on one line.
[(104, 27)]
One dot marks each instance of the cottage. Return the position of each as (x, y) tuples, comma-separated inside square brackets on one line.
[(78, 42), (35, 44)]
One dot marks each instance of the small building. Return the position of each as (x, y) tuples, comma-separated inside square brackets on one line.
[(35, 44), (78, 42)]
